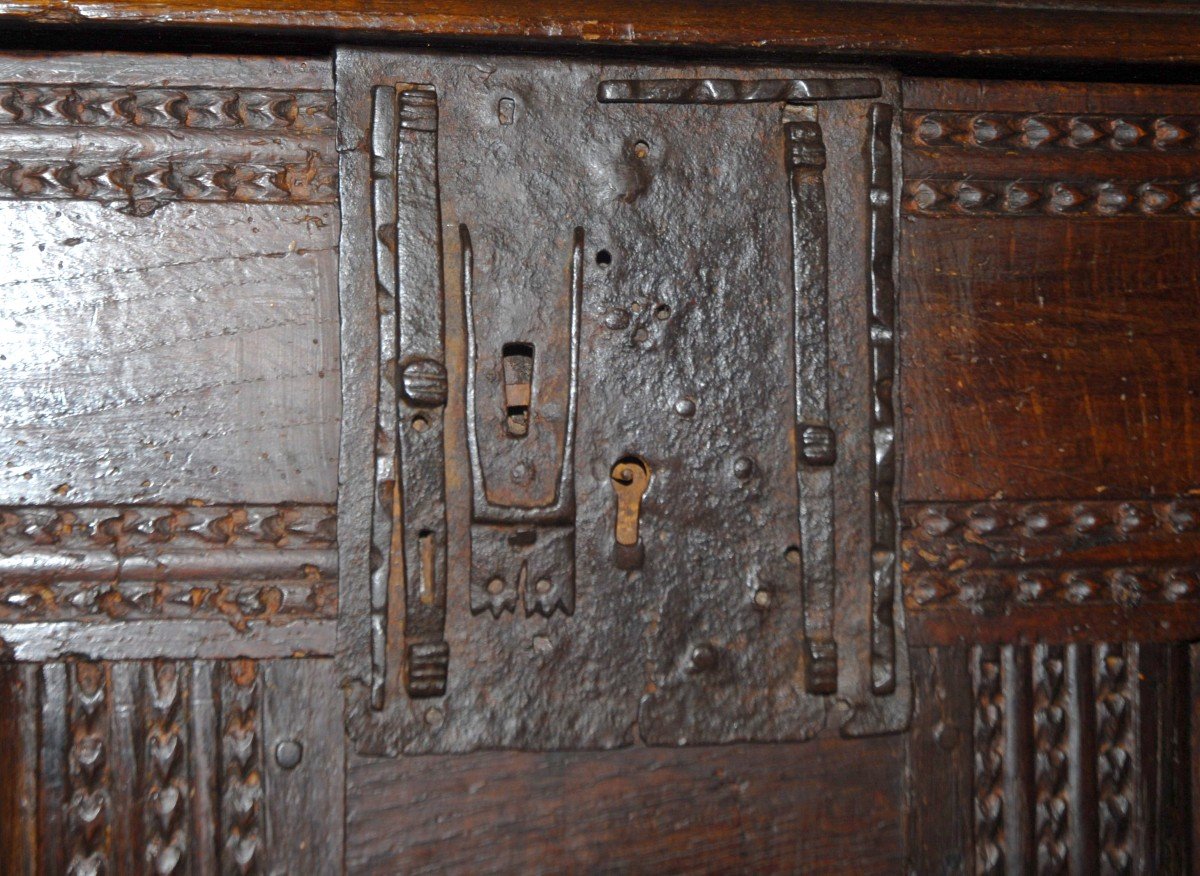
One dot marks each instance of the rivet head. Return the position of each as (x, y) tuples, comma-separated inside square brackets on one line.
[(704, 658), (743, 467), (616, 319), (423, 382), (685, 407), (289, 753)]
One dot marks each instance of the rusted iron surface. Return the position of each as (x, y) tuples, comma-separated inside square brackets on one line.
[(658, 455)]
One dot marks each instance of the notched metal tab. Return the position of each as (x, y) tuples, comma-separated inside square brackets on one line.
[(521, 551)]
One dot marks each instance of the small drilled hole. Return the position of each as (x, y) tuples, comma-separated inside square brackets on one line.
[(543, 585), (495, 586), (604, 257), (640, 336), (641, 149), (763, 599), (663, 312), (792, 555), (419, 423)]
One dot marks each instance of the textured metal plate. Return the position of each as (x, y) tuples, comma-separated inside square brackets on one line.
[(643, 269)]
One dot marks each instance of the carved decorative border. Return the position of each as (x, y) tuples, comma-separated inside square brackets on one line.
[(152, 180), (89, 802), (149, 146), (1057, 198), (166, 803), (182, 562), (1057, 754), (991, 556), (201, 108), (946, 129), (241, 759), (1115, 754)]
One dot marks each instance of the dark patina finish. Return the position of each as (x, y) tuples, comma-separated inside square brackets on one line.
[(658, 391)]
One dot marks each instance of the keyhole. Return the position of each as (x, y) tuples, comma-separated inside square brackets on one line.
[(630, 479)]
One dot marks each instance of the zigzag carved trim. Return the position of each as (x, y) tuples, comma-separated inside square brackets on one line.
[(204, 108), (1042, 132), (232, 562), (993, 556), (1057, 198), (149, 146)]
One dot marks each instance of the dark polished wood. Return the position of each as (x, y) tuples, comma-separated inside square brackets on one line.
[(1081, 31), (179, 385), (745, 808)]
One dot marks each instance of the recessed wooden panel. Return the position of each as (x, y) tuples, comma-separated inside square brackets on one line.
[(743, 808), (168, 292), (1050, 342)]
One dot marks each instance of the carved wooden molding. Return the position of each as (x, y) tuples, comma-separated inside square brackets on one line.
[(958, 130), (993, 560), (185, 562), (205, 108), (1049, 759), (1052, 723), (1057, 198), (147, 146), (178, 767)]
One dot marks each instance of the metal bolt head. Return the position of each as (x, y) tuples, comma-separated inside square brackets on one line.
[(685, 407), (818, 444), (704, 658), (289, 753), (423, 382), (743, 467)]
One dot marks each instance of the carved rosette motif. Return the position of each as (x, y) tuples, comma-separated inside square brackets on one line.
[(146, 146), (232, 562)]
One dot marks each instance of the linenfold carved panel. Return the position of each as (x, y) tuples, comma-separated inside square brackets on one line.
[(593, 442)]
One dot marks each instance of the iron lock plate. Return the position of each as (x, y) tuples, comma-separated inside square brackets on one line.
[(618, 434)]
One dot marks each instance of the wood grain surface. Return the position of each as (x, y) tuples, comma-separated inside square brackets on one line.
[(811, 808), (1060, 30), (1047, 353)]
